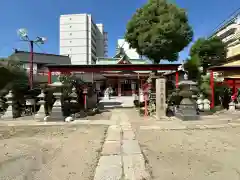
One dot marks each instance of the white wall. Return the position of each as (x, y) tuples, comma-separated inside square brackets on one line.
[(26, 66), (80, 38), (131, 53), (100, 40), (232, 40)]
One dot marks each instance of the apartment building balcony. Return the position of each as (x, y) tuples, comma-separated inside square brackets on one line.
[(233, 51), (228, 30), (232, 37), (234, 43)]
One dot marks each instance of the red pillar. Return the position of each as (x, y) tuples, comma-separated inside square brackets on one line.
[(177, 79), (212, 88), (145, 104), (234, 89), (31, 66), (49, 77)]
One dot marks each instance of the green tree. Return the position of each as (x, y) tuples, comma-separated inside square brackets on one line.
[(192, 67), (159, 30), (14, 75), (211, 52)]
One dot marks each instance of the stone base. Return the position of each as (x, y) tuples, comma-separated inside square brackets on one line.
[(40, 114), (187, 117), (56, 114), (8, 114)]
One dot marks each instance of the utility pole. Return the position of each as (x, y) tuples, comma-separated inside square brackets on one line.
[(39, 40), (31, 65)]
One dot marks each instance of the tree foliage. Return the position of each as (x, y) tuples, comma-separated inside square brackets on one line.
[(14, 75), (192, 67), (211, 52), (159, 30)]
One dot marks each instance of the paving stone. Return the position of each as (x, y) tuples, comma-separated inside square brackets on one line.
[(111, 148), (176, 128), (134, 167), (79, 121), (215, 126), (131, 147), (126, 127), (109, 168), (234, 124), (128, 135), (200, 127), (125, 123), (150, 127), (113, 134), (114, 127), (114, 117), (104, 122)]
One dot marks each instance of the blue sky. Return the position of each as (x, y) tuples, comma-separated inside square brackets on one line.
[(41, 18)]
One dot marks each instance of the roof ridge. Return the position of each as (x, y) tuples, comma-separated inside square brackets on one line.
[(39, 53)]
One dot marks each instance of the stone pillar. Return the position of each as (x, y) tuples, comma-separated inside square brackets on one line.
[(119, 88), (9, 112), (41, 113), (160, 98)]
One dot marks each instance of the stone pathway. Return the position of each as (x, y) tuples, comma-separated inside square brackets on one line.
[(121, 154)]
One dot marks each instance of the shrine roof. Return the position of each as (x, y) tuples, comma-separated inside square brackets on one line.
[(230, 66), (107, 60), (111, 67)]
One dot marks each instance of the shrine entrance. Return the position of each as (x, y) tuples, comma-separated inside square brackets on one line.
[(126, 88)]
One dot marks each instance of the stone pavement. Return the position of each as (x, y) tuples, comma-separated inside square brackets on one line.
[(55, 123), (121, 158)]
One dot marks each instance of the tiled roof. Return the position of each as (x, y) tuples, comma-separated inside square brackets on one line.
[(102, 60), (40, 58)]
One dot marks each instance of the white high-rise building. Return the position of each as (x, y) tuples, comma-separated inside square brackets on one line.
[(131, 53), (81, 39), (229, 33)]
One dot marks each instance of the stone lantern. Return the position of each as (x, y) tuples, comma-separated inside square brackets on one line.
[(9, 112), (57, 114), (41, 113), (73, 95), (187, 108), (30, 102)]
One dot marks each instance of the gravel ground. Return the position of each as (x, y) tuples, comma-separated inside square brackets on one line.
[(50, 152), (192, 154), (103, 115)]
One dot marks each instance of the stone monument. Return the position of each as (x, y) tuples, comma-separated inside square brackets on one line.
[(160, 98), (41, 113), (188, 106)]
